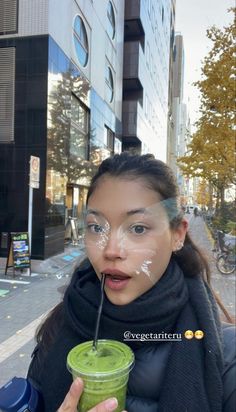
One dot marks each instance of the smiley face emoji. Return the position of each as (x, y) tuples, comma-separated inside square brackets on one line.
[(199, 334), (188, 334)]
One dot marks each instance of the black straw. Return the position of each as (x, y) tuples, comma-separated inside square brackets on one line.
[(99, 313)]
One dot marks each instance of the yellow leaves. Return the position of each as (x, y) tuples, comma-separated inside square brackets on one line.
[(211, 151)]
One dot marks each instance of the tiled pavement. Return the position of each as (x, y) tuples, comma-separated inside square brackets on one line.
[(23, 305), (224, 285)]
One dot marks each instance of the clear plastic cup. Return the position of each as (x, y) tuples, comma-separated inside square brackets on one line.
[(105, 372)]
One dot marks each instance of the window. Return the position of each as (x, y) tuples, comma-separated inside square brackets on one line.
[(79, 129), (7, 93), (8, 16), (109, 84), (81, 41), (109, 139), (117, 146), (111, 26)]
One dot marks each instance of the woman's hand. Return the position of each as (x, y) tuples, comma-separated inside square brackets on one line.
[(72, 398)]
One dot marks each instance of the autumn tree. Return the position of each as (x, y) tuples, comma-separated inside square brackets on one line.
[(203, 196), (210, 154)]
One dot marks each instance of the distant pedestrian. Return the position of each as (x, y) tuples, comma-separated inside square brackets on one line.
[(156, 282), (195, 211)]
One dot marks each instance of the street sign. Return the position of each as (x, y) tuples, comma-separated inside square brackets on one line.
[(34, 171), (19, 253)]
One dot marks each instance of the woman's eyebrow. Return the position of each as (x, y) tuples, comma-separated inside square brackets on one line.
[(142, 210), (93, 212), (131, 212)]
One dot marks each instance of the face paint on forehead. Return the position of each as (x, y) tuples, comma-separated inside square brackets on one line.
[(169, 207)]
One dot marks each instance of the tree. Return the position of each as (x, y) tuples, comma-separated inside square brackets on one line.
[(210, 154), (203, 194)]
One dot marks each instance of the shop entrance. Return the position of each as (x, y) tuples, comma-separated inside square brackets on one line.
[(75, 207)]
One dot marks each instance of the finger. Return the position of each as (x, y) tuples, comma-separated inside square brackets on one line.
[(108, 405), (72, 398)]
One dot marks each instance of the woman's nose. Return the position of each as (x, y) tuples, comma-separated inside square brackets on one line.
[(114, 248)]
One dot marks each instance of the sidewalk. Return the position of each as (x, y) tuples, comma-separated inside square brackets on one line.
[(27, 299), (224, 285), (24, 303)]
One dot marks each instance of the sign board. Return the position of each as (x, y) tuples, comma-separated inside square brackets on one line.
[(19, 253), (34, 172)]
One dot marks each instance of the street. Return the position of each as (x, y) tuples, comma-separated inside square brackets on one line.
[(25, 300)]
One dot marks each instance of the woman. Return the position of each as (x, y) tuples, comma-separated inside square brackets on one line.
[(156, 286)]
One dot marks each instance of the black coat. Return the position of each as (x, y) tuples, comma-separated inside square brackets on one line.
[(145, 379)]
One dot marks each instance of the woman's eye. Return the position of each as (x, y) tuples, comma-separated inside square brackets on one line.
[(95, 228), (138, 229)]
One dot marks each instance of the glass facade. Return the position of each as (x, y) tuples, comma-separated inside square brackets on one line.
[(62, 120), (76, 124), (146, 76), (79, 138)]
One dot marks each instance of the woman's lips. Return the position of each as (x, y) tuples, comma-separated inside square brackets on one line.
[(116, 284), (115, 279)]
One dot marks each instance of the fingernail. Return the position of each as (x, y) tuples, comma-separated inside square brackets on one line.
[(111, 404)]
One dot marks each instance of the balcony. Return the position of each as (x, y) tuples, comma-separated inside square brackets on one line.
[(135, 127), (134, 72), (133, 21)]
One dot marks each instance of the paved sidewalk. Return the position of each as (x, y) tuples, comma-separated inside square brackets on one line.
[(27, 300), (25, 303), (224, 285)]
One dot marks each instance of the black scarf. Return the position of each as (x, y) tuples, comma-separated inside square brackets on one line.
[(192, 379)]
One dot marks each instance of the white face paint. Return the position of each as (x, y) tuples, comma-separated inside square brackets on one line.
[(128, 237)]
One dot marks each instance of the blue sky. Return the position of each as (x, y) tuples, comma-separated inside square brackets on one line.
[(193, 17)]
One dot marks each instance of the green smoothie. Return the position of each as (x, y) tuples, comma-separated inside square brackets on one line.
[(105, 371)]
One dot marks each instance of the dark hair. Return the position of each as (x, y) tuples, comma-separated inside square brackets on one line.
[(160, 178)]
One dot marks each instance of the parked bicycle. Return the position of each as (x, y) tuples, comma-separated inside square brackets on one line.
[(224, 252)]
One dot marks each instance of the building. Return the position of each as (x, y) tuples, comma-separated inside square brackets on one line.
[(178, 130), (147, 33), (176, 102), (68, 99), (61, 100), (170, 122)]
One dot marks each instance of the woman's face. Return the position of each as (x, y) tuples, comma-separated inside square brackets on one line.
[(128, 237)]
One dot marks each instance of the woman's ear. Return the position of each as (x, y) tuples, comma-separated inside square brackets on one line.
[(179, 234)]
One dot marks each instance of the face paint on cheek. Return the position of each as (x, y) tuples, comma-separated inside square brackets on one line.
[(145, 268), (101, 241)]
